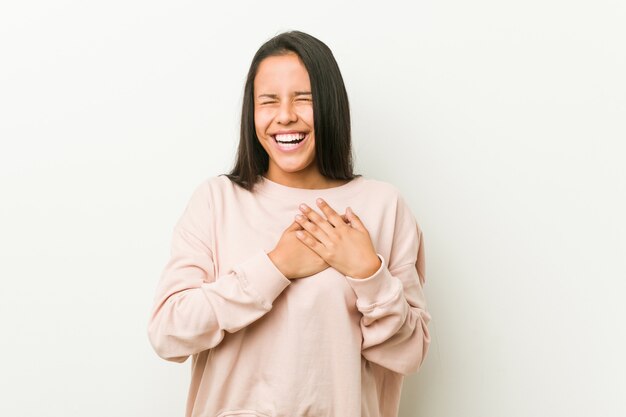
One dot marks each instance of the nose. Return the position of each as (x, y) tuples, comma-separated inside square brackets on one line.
[(286, 114)]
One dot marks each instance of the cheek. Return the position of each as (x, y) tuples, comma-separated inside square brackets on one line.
[(306, 114), (262, 119)]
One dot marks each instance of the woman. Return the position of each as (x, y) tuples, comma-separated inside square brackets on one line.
[(317, 315)]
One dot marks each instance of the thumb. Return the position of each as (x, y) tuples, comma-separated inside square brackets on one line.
[(294, 226)]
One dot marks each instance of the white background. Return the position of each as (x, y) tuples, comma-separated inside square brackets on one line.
[(503, 123)]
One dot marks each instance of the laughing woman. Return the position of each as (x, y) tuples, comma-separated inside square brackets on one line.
[(295, 285)]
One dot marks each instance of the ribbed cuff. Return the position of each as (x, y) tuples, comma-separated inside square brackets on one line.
[(259, 273), (376, 289)]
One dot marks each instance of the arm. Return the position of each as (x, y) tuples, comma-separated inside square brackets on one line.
[(395, 319), (192, 309)]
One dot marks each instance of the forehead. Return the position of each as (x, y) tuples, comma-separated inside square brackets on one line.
[(285, 71)]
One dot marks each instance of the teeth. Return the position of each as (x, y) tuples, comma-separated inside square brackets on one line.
[(289, 137)]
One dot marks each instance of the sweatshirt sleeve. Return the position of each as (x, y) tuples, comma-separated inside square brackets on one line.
[(395, 319), (192, 307)]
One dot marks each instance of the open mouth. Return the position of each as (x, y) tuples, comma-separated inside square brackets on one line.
[(291, 141), (292, 138)]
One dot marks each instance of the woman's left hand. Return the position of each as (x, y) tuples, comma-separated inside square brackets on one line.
[(346, 247)]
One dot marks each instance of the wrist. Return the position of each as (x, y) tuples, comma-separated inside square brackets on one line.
[(367, 272), (277, 261)]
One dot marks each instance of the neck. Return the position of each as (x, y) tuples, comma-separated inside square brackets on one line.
[(308, 180)]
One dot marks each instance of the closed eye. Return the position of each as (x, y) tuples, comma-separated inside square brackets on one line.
[(300, 99)]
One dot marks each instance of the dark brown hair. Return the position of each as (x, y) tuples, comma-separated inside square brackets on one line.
[(331, 111)]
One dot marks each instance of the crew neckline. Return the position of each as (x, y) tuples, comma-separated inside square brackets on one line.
[(272, 188)]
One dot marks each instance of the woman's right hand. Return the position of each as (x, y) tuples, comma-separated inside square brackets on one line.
[(293, 258)]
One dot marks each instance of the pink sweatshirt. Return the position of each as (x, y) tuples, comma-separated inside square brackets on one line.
[(263, 345)]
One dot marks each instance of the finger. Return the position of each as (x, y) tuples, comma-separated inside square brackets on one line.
[(317, 218), (355, 220), (294, 226), (306, 238), (316, 231), (331, 215)]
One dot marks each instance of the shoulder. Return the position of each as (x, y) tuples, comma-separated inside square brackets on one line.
[(206, 201), (399, 207), (213, 182), (203, 193), (215, 193), (392, 202), (383, 190), (223, 184), (212, 185), (386, 193)]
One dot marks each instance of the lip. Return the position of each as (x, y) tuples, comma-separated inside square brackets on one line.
[(284, 132), (295, 149)]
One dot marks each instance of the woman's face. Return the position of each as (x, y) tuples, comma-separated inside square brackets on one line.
[(283, 111)]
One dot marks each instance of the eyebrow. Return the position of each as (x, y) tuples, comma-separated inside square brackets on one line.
[(296, 93)]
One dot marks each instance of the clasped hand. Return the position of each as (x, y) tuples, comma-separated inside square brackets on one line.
[(343, 244)]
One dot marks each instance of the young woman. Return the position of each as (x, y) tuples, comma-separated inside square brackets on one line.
[(290, 303)]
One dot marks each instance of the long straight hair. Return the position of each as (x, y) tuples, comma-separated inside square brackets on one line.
[(331, 111)]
